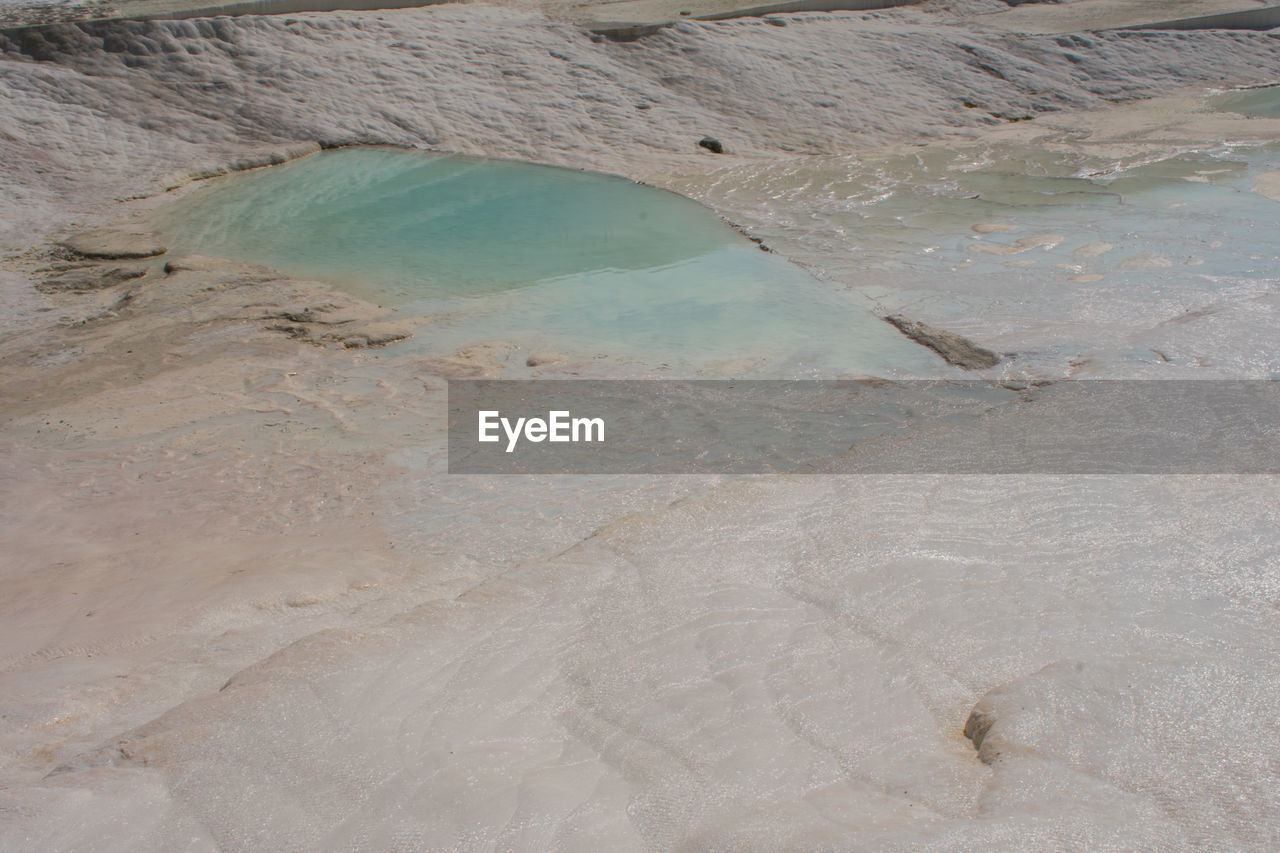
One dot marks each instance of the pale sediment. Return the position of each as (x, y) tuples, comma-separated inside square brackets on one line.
[(237, 614), (1269, 184), (115, 244)]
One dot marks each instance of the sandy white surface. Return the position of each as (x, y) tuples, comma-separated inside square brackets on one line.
[(245, 609)]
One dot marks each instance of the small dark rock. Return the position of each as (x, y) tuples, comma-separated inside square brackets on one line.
[(538, 359), (711, 144)]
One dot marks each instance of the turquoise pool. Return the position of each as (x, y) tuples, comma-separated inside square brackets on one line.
[(588, 264)]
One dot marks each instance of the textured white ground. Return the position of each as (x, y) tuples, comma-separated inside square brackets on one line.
[(244, 609)]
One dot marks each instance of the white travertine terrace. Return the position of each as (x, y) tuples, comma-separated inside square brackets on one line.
[(244, 608)]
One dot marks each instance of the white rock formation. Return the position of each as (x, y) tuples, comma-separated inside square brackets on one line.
[(244, 608)]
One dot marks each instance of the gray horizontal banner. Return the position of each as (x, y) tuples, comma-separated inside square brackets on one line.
[(863, 427)]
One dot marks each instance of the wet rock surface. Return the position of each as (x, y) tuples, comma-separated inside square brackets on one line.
[(955, 349)]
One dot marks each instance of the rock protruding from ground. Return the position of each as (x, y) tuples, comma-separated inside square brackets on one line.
[(538, 359), (711, 144), (956, 350), (375, 334), (114, 244)]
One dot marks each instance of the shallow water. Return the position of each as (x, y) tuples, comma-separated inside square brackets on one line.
[(546, 258), (1263, 103), (1066, 257), (1061, 256)]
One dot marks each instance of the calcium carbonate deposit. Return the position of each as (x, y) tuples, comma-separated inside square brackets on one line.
[(245, 607), (559, 260)]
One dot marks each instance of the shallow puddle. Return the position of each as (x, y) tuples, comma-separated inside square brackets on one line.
[(597, 266), (1262, 103)]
